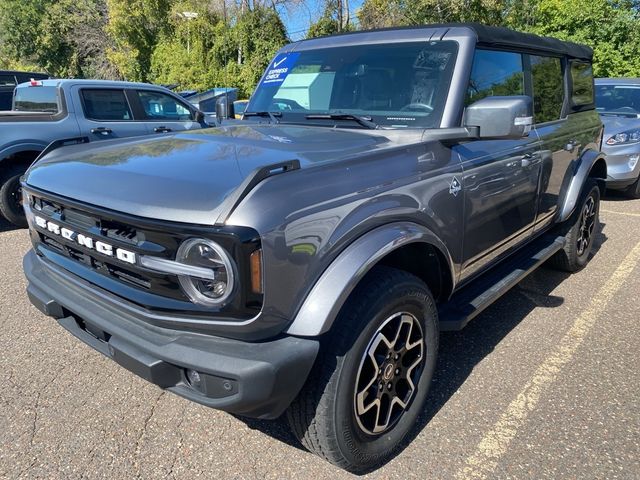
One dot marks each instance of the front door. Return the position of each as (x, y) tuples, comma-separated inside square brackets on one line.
[(163, 113), (500, 179), (107, 114)]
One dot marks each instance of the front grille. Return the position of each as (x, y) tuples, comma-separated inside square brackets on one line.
[(147, 288), (110, 231)]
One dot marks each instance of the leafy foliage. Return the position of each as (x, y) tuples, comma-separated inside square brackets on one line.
[(203, 43), (610, 27)]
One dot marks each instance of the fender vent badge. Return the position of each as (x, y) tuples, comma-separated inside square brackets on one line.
[(455, 187)]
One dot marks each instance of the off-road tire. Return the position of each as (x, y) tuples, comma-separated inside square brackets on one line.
[(10, 206), (323, 417), (573, 257)]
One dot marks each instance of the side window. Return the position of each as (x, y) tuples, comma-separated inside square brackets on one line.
[(105, 105), (582, 83), (495, 73), (7, 81), (548, 88), (159, 106)]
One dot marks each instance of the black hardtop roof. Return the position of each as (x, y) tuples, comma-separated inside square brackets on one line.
[(488, 36), (501, 36)]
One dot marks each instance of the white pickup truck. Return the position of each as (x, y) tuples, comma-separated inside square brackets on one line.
[(55, 112)]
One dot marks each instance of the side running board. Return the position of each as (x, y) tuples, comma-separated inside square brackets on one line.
[(472, 299), (258, 175)]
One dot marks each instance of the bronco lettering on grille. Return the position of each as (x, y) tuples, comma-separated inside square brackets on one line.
[(87, 242)]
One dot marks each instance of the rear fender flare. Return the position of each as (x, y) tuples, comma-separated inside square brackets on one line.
[(580, 174), (323, 303)]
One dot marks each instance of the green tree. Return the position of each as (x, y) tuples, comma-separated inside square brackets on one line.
[(64, 37), (136, 26), (611, 29), (244, 50), (183, 54), (335, 19)]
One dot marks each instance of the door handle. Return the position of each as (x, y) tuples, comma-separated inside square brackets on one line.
[(102, 131), (526, 160), (161, 129), (571, 145)]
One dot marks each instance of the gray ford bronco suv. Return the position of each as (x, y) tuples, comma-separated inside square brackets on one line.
[(382, 186)]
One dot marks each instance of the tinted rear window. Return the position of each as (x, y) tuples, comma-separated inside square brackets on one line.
[(582, 81), (36, 99), (548, 88), (107, 104)]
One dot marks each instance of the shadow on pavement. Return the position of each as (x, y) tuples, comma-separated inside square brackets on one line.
[(616, 196), (6, 226), (460, 352)]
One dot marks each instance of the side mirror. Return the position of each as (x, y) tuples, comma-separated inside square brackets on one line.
[(224, 109), (501, 117), (199, 117)]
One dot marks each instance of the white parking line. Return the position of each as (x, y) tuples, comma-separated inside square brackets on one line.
[(628, 214), (496, 441)]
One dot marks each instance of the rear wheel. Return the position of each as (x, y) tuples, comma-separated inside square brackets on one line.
[(11, 197), (371, 378), (583, 226)]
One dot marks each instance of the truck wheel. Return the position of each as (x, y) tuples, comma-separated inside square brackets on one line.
[(11, 198), (582, 230), (371, 378), (634, 190)]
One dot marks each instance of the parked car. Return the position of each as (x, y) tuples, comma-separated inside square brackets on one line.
[(618, 102), (80, 110), (9, 79), (305, 258)]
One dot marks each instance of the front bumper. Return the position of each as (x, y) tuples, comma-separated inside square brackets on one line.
[(623, 168), (257, 380)]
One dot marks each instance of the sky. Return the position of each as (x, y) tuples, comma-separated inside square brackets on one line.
[(298, 19)]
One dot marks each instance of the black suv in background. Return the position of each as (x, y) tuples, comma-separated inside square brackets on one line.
[(382, 186), (9, 80)]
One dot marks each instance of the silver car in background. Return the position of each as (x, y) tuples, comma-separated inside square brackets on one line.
[(618, 103)]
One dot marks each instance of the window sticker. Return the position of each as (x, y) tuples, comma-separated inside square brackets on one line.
[(280, 68)]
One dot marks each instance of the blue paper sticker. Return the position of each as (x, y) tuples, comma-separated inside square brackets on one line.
[(280, 68)]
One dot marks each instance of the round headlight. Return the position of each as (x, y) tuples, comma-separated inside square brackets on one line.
[(209, 289)]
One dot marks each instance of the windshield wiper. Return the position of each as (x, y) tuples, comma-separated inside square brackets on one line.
[(271, 115), (364, 121)]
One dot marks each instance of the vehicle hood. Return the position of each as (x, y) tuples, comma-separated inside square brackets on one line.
[(614, 124), (185, 177)]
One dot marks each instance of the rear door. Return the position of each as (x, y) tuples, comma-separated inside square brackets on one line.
[(562, 127), (559, 136), (500, 179), (162, 112), (107, 114)]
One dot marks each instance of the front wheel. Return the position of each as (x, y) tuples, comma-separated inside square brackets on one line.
[(11, 199), (371, 378)]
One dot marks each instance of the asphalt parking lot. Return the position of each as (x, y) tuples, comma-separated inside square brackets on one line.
[(544, 384)]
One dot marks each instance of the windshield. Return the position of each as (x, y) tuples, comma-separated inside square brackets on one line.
[(618, 99), (36, 99), (395, 85)]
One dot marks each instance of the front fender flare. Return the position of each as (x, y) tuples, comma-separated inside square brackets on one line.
[(323, 303), (586, 162)]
